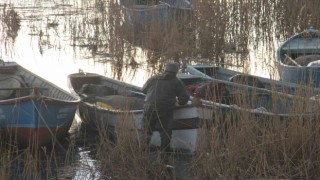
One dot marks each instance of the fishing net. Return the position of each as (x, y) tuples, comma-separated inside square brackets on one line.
[(213, 90)]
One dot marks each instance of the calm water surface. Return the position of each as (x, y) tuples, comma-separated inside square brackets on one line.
[(43, 45)]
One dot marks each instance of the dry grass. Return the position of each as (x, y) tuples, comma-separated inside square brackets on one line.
[(35, 162), (251, 149), (125, 158)]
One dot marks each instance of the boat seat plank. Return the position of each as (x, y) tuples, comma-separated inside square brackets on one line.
[(8, 69)]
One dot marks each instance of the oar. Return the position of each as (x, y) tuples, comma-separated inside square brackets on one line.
[(140, 94), (293, 61), (5, 89)]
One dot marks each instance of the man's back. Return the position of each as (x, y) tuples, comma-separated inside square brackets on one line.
[(162, 90)]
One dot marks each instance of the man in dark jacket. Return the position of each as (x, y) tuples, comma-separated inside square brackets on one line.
[(163, 92)]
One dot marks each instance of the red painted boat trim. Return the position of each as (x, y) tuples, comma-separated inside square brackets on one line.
[(36, 136)]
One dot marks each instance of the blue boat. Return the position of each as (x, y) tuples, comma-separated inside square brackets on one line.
[(221, 101), (143, 16), (33, 111), (299, 58), (180, 11), (216, 72), (179, 4)]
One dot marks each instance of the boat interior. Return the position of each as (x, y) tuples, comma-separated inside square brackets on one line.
[(255, 81), (301, 51), (217, 92), (107, 93), (302, 60), (17, 82)]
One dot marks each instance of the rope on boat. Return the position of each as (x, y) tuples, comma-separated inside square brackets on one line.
[(293, 61), (52, 134)]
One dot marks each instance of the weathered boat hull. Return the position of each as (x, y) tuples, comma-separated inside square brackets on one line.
[(185, 125), (96, 116), (293, 67), (37, 118), (142, 17), (210, 72), (247, 101), (186, 130)]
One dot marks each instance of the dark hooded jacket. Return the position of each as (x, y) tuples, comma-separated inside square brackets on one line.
[(162, 90)]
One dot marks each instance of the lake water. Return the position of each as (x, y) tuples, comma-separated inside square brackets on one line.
[(46, 43), (46, 50)]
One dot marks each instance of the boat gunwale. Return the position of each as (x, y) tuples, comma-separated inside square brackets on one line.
[(290, 39), (13, 64)]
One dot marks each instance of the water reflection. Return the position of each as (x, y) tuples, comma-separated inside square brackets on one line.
[(73, 157), (86, 143)]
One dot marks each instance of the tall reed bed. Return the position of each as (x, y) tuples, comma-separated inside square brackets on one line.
[(238, 144), (34, 162), (122, 156), (278, 149)]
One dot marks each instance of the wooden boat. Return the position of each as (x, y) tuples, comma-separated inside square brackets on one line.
[(142, 17), (108, 104), (33, 111), (178, 4), (224, 98), (158, 15), (299, 58), (179, 9), (210, 72)]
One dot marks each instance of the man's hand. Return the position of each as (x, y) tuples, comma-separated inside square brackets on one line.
[(177, 104), (196, 102)]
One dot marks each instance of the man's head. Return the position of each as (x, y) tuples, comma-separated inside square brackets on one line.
[(172, 67)]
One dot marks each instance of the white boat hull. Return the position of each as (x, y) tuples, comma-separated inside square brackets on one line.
[(182, 140)]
